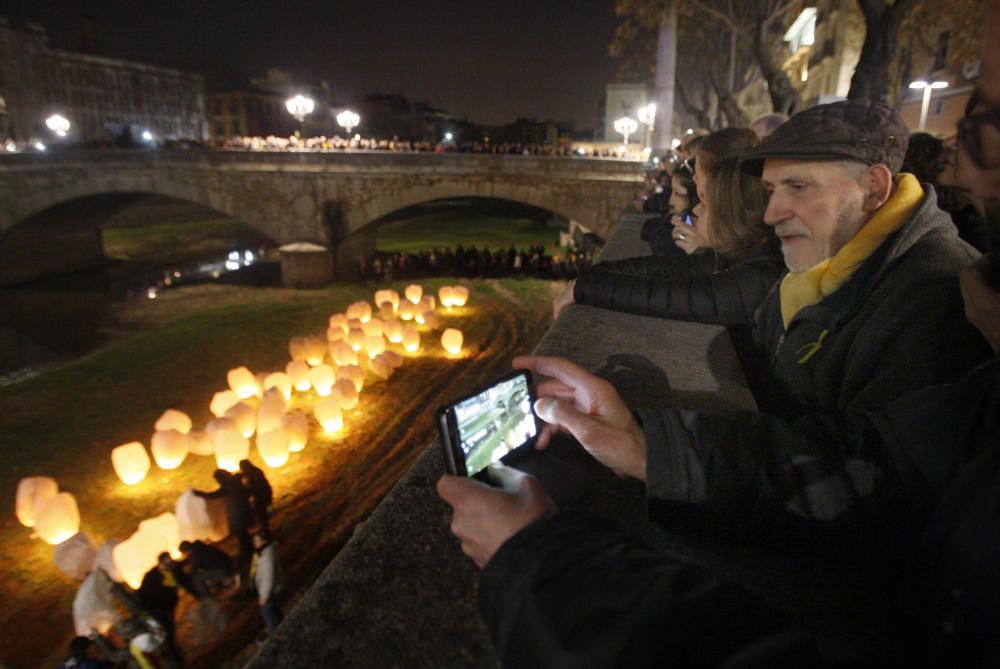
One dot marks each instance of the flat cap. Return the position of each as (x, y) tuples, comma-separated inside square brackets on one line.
[(865, 130)]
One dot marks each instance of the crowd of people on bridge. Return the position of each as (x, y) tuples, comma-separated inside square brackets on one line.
[(857, 268)]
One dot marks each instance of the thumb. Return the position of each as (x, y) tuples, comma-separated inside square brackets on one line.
[(564, 414), (508, 478)]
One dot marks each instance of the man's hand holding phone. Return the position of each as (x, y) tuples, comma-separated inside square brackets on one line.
[(589, 408)]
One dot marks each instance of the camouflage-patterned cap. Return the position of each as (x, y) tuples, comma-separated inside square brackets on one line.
[(865, 130)]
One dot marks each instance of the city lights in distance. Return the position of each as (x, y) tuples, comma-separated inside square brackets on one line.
[(11, 147), (300, 106), (147, 136), (674, 144), (448, 137), (348, 120), (625, 126), (39, 146), (58, 124), (647, 114)]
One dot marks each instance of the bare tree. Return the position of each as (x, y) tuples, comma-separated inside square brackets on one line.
[(882, 22)]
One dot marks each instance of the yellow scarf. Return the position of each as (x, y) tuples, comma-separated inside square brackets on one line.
[(806, 288)]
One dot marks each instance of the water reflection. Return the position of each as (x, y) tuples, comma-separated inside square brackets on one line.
[(53, 320)]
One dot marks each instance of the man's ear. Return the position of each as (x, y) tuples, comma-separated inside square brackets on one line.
[(878, 184)]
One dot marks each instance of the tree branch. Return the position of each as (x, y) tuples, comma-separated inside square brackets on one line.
[(728, 20)]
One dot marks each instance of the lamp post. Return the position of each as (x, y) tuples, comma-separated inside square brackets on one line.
[(927, 87), (647, 116), (58, 124), (626, 126), (300, 106), (348, 120)]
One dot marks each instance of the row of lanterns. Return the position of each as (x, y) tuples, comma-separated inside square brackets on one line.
[(333, 368)]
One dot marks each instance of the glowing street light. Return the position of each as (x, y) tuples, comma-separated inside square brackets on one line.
[(58, 124), (927, 88), (348, 120), (626, 126), (448, 136), (147, 136), (300, 106)]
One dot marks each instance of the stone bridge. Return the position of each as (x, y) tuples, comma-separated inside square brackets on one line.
[(52, 205)]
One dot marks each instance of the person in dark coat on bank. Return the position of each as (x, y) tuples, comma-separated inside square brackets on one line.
[(205, 565), (260, 489), (158, 595), (239, 513)]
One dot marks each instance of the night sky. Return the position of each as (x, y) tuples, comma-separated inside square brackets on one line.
[(492, 61)]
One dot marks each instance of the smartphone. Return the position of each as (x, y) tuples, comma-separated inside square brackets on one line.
[(688, 220), (487, 425)]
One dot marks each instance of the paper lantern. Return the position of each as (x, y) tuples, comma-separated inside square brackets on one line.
[(387, 296), (298, 374), (427, 303), (259, 378), (356, 338), (393, 330), (419, 317), (327, 412), (444, 295), (459, 296), (338, 321), (245, 418), (344, 354), (171, 419), (169, 448), (269, 418), (355, 374), (373, 328), (130, 462), (407, 311), (104, 561), (57, 518), (199, 443), (374, 345), (451, 340), (354, 324), (297, 348), (222, 401), (411, 338), (217, 425), (201, 519), (281, 381), (165, 532), (30, 491), (230, 447), (75, 556), (334, 334), (381, 367), (322, 378), (315, 351), (387, 310), (94, 606), (296, 426), (273, 447), (348, 394), (414, 292), (430, 319), (242, 382), (394, 359), (134, 557)]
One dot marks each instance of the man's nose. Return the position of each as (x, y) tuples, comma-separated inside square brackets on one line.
[(776, 211)]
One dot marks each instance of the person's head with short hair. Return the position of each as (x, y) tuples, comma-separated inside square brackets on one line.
[(926, 157), (185, 547), (720, 145), (222, 476), (734, 210), (765, 125), (683, 192), (164, 560), (691, 143), (828, 170)]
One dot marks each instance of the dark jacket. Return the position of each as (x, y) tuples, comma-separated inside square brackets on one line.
[(207, 557), (256, 482), (567, 591), (702, 287), (896, 326), (239, 513)]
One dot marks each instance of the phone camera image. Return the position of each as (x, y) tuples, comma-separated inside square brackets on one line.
[(495, 422)]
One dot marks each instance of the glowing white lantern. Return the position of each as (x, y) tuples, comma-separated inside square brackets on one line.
[(393, 330), (387, 296), (315, 351), (356, 338), (338, 321), (381, 367), (430, 319), (394, 359), (134, 557), (322, 378), (274, 399), (245, 418), (419, 317), (386, 310), (411, 338), (57, 518), (348, 394), (355, 374), (298, 374), (169, 448), (171, 419), (199, 443), (259, 378), (273, 447), (130, 462), (459, 296), (374, 328), (94, 607), (201, 519), (427, 303), (414, 292), (407, 311), (360, 310), (297, 348), (344, 354), (444, 294), (242, 382), (451, 341), (296, 426), (30, 491), (335, 334), (374, 345), (167, 533), (354, 324), (75, 556), (104, 560), (327, 412), (281, 381), (215, 426), (230, 447), (269, 417), (222, 401)]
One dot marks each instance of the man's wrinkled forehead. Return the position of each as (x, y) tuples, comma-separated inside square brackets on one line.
[(781, 170)]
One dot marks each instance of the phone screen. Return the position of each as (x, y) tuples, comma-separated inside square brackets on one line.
[(494, 422), (688, 220)]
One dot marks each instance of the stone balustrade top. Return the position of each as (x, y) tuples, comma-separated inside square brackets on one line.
[(401, 593)]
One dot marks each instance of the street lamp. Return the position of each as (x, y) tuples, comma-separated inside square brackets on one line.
[(626, 126), (448, 136), (300, 106), (926, 87), (58, 124), (347, 120), (647, 116)]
